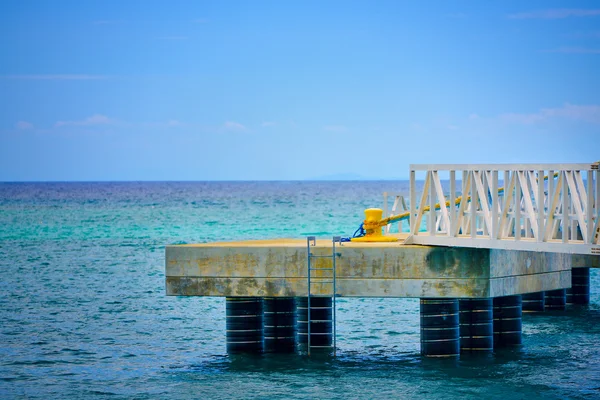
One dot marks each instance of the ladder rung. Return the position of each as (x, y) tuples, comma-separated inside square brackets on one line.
[(316, 281)]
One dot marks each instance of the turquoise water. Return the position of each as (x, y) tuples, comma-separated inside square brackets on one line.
[(84, 312)]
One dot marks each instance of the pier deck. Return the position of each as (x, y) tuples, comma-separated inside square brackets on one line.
[(278, 268)]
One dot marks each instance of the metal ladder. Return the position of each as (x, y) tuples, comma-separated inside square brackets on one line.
[(331, 280)]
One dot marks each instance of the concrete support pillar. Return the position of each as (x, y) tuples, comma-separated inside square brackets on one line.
[(476, 325), (580, 285), (321, 324), (279, 324), (534, 302), (556, 299), (440, 335), (507, 321), (244, 322)]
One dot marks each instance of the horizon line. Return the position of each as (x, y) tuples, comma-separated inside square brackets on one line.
[(207, 180)]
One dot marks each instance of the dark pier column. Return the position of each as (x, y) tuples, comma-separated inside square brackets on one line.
[(279, 324), (244, 322), (321, 325), (440, 328), (569, 295), (476, 325), (534, 302), (580, 285), (556, 299), (507, 321)]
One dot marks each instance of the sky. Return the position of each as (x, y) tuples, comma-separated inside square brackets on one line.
[(286, 90)]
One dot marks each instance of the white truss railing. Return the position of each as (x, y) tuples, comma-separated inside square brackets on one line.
[(540, 207), (398, 207)]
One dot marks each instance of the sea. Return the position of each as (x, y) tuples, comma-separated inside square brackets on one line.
[(83, 310)]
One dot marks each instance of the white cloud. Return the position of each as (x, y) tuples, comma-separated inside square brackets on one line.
[(585, 113), (172, 123), (416, 126), (23, 125), (233, 126), (556, 14), (96, 119), (335, 128)]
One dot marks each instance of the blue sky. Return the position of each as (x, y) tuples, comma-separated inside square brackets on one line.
[(244, 90)]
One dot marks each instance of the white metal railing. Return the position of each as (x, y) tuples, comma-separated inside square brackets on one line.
[(541, 207), (398, 207)]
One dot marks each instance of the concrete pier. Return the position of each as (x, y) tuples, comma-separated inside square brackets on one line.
[(507, 321), (534, 302), (278, 268), (244, 322), (279, 324), (247, 272), (440, 335), (476, 325), (556, 300)]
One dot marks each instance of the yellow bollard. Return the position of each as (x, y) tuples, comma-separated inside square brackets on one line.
[(373, 227)]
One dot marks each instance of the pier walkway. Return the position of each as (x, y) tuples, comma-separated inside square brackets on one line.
[(477, 254)]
